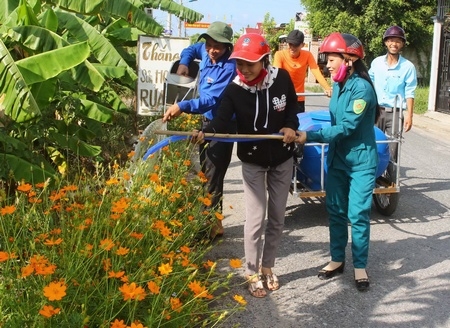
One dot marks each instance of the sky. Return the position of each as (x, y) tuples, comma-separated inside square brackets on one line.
[(238, 13)]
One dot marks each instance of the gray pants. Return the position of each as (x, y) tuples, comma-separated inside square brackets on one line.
[(385, 124), (260, 182)]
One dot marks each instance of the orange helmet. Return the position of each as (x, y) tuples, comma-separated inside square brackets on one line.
[(342, 43), (250, 47)]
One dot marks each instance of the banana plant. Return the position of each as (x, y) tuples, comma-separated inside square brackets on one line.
[(61, 62)]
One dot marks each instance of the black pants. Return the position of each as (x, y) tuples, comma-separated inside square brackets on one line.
[(215, 156), (385, 124), (301, 106)]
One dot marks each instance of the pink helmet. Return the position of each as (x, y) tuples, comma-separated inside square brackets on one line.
[(342, 43), (250, 47)]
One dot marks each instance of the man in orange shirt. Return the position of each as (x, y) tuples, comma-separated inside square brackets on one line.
[(296, 61)]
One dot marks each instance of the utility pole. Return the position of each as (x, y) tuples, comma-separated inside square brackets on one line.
[(179, 21)]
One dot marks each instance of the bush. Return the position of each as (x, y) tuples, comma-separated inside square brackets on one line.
[(119, 248)]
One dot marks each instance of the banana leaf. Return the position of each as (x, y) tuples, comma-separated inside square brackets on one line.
[(25, 170), (41, 67), (17, 100)]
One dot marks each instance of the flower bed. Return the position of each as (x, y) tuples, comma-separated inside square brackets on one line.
[(121, 251)]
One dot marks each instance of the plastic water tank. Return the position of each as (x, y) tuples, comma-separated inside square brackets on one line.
[(309, 169)]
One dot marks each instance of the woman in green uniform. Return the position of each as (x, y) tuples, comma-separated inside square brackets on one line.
[(352, 154)]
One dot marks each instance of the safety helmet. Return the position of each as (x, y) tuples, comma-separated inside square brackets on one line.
[(394, 32), (342, 43), (251, 47)]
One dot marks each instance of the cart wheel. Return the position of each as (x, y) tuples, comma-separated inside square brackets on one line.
[(386, 204)]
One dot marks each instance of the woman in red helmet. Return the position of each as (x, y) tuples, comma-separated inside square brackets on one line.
[(352, 154), (263, 100)]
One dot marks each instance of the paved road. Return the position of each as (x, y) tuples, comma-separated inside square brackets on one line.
[(409, 263)]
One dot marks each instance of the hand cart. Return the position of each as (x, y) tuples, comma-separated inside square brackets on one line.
[(310, 164)]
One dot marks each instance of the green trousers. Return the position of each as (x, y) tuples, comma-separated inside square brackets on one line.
[(349, 199)]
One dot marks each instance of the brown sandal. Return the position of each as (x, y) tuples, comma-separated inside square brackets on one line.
[(255, 287), (270, 281)]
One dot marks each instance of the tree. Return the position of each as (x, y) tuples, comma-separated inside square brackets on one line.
[(368, 19), (272, 33), (63, 67)]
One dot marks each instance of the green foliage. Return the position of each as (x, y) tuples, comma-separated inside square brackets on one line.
[(272, 33), (368, 19), (65, 67), (421, 100)]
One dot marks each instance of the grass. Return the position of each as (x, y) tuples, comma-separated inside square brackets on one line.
[(421, 100)]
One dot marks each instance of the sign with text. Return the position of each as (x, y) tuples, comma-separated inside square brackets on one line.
[(196, 25), (155, 59)]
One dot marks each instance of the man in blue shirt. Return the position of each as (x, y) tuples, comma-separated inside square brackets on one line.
[(394, 75), (216, 72)]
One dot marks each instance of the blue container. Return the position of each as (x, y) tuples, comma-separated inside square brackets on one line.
[(309, 169)]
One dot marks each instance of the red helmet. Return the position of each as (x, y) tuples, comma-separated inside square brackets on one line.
[(394, 32), (250, 47), (342, 43)]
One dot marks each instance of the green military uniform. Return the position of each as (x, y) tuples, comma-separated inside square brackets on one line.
[(352, 160)]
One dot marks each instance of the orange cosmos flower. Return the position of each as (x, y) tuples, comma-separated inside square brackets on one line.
[(153, 287), (56, 231), (165, 232), (197, 289), (131, 154), (185, 249), (55, 291), (122, 251), (70, 188), (5, 256), (49, 311), (106, 264), (51, 242), (165, 269), (219, 216), (154, 178), (112, 274), (187, 162), (118, 324), (34, 200), (206, 201), (158, 224), (26, 187), (175, 304), (137, 235), (235, 263), (40, 185), (132, 292), (8, 210), (106, 244), (126, 176), (240, 299), (137, 324), (112, 181), (202, 177), (208, 264)]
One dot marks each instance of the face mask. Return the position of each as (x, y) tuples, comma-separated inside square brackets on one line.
[(255, 81), (341, 73)]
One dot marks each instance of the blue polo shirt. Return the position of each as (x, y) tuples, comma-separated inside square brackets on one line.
[(212, 80), (400, 79), (351, 137)]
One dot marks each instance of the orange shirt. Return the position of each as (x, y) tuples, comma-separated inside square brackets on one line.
[(297, 68)]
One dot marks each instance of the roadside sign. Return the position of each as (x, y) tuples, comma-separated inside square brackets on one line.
[(156, 56), (196, 25)]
